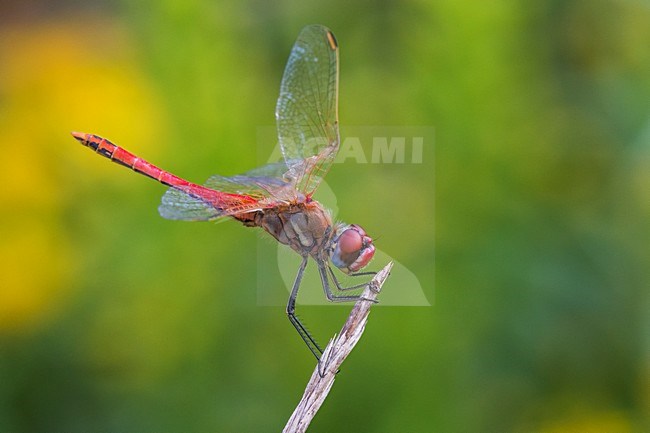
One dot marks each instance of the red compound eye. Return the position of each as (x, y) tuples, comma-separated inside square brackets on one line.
[(353, 249), (350, 242)]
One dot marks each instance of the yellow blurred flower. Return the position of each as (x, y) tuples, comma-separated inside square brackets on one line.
[(56, 78)]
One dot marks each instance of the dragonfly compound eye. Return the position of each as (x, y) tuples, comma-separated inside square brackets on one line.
[(353, 249)]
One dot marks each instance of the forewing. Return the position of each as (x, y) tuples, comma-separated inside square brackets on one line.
[(266, 182), (307, 109)]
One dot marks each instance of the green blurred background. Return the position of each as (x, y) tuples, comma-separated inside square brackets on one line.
[(113, 319)]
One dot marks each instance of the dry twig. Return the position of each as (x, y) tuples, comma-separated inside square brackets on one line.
[(333, 356)]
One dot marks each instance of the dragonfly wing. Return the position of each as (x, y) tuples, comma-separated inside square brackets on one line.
[(178, 205), (274, 169), (268, 184), (307, 109), (220, 196), (199, 203)]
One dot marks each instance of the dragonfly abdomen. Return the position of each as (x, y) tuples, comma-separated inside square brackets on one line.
[(123, 157), (213, 199)]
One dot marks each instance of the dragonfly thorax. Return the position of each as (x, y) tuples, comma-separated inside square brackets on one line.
[(305, 227)]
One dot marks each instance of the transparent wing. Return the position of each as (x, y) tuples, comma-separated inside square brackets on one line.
[(307, 109), (221, 196), (179, 205), (260, 183), (205, 204)]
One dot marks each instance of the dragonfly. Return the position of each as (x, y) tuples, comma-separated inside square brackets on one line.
[(278, 196)]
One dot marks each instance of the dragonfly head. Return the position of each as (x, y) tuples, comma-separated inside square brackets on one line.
[(352, 250)]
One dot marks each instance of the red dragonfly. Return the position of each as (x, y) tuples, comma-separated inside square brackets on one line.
[(278, 197)]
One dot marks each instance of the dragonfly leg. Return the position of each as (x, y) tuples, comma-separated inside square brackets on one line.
[(291, 313), (322, 268), (356, 286), (360, 274)]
